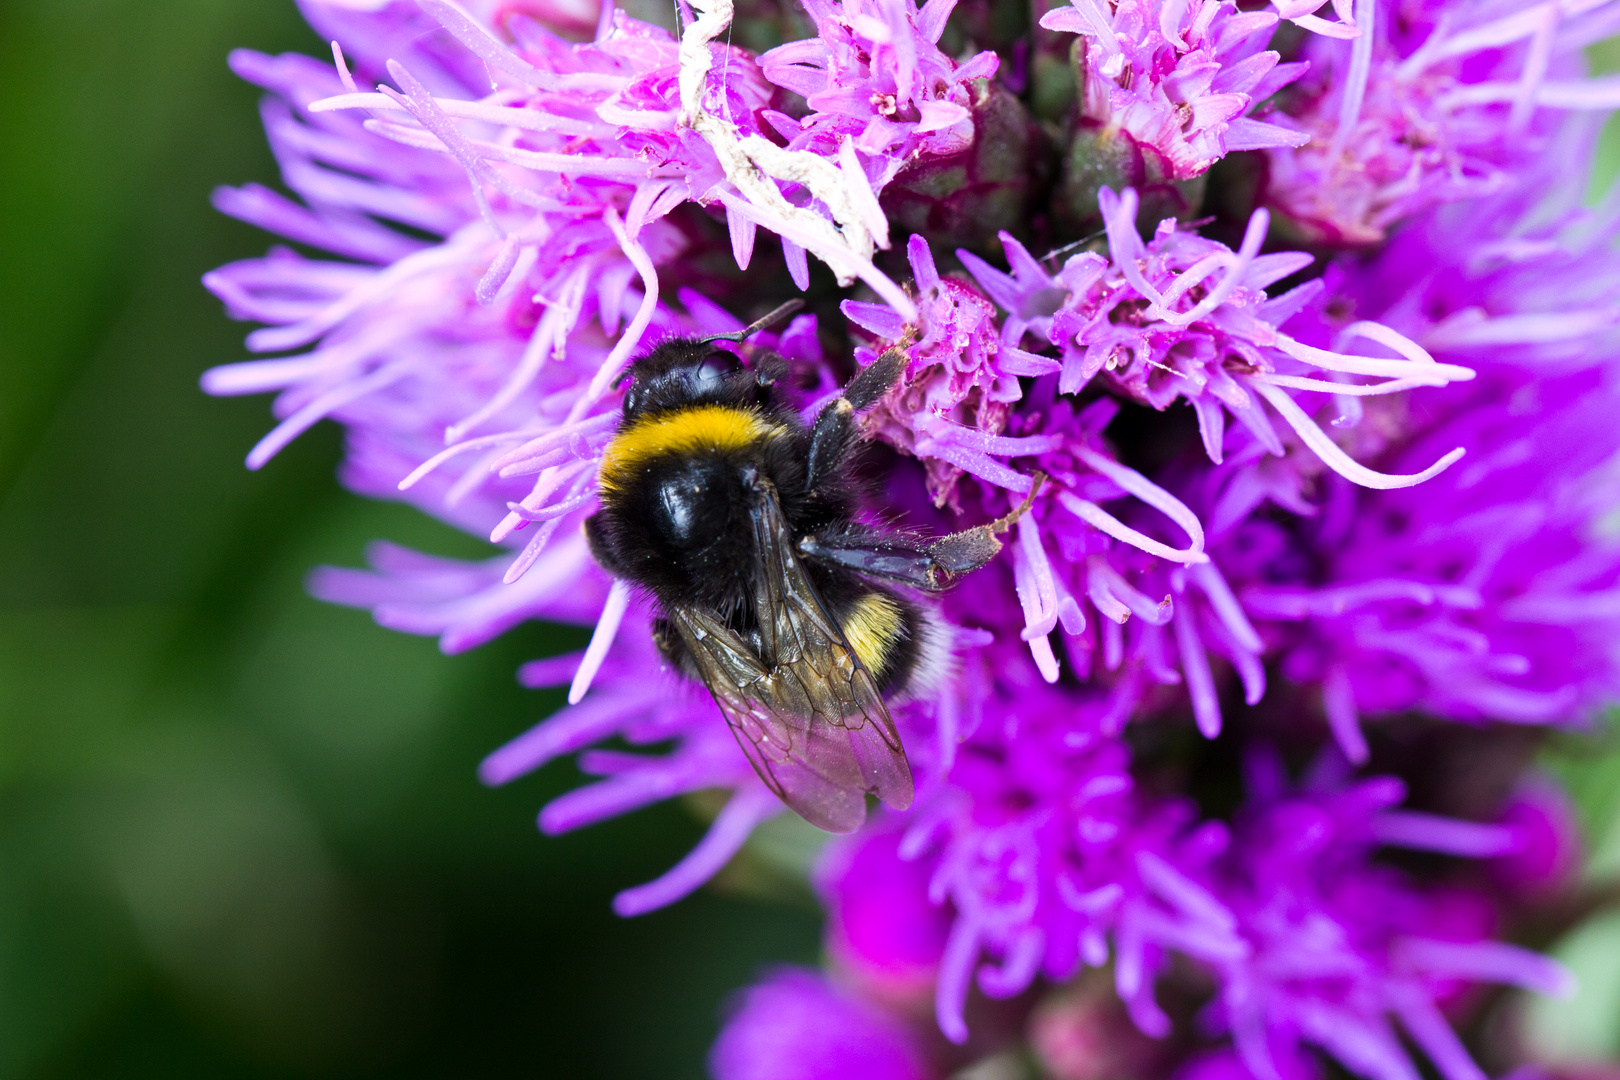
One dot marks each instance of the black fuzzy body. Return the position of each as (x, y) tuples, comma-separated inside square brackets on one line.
[(679, 524)]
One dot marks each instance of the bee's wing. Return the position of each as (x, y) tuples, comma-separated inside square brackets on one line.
[(813, 723)]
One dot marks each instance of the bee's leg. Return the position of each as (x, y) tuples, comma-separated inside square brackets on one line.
[(884, 558), (965, 551), (673, 647), (932, 566), (835, 425), (876, 379)]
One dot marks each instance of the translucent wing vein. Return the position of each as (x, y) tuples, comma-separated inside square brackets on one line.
[(805, 711)]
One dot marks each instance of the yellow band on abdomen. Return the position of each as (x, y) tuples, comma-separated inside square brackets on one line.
[(873, 627)]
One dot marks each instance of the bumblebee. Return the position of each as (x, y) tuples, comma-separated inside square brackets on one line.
[(740, 521)]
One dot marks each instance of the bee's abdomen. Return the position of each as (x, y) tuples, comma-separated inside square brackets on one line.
[(885, 633)]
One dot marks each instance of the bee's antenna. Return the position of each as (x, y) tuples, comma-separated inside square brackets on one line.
[(757, 325)]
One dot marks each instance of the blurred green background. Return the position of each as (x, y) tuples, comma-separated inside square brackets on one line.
[(240, 831)]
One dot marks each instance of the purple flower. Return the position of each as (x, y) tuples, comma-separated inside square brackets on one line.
[(1176, 81), (1549, 849), (1487, 596), (537, 193), (797, 1026), (1487, 593), (1339, 950), (554, 195), (1158, 325), (1428, 106), (1037, 843), (1048, 864), (875, 74), (959, 376), (430, 344)]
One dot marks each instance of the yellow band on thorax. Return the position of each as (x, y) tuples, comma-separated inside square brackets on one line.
[(683, 431)]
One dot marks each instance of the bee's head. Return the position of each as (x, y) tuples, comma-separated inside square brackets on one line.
[(684, 372)]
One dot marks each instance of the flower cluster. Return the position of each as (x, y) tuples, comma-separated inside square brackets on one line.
[(876, 74), (1048, 857), (1288, 493), (1430, 598), (1429, 108), (1177, 80)]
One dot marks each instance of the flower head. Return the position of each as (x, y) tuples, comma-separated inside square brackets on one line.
[(946, 147), (1485, 596), (797, 1026), (875, 74), (1337, 950), (1420, 111), (1185, 317), (536, 194), (959, 375), (1175, 81)]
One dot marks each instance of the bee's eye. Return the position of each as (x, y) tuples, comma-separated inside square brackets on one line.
[(715, 367), (633, 399)]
